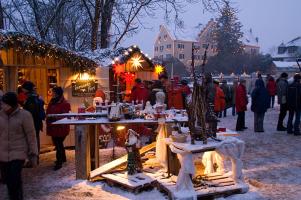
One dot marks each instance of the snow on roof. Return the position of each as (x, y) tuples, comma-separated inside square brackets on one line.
[(105, 57), (285, 64), (295, 42), (249, 38)]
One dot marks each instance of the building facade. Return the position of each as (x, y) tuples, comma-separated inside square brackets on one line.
[(286, 56), (168, 45)]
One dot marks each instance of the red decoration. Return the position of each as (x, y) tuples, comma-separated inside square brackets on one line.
[(128, 77), (119, 68)]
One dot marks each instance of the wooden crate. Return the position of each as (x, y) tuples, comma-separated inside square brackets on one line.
[(217, 186), (133, 183)]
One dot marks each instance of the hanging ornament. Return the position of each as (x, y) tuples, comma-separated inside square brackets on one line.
[(159, 69), (118, 68), (128, 77), (136, 63)]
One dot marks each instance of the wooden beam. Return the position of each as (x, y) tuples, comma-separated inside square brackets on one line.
[(118, 162)]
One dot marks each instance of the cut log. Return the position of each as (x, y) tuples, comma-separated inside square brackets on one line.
[(118, 162)]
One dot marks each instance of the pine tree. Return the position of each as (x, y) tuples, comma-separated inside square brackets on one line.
[(228, 33)]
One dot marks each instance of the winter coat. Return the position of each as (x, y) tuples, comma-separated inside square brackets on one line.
[(241, 99), (210, 93), (140, 93), (294, 96), (272, 87), (260, 98), (219, 100), (175, 98), (32, 105), (282, 86), (17, 136), (228, 94), (62, 106)]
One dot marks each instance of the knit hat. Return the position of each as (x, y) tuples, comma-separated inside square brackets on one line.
[(58, 90), (28, 85), (10, 98)]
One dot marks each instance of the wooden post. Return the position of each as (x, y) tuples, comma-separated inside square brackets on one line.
[(82, 151), (94, 146)]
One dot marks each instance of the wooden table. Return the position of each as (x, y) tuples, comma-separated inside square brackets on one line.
[(86, 138)]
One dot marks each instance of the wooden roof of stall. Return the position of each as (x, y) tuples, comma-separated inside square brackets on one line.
[(129, 53), (33, 46)]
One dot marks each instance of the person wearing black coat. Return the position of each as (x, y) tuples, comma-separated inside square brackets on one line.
[(294, 105), (260, 104)]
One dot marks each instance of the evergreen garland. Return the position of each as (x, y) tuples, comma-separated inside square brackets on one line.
[(32, 46)]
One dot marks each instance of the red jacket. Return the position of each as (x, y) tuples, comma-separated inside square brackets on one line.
[(241, 99), (62, 106), (219, 99), (140, 93), (272, 87)]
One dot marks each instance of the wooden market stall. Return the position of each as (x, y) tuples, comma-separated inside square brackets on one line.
[(23, 57), (129, 64)]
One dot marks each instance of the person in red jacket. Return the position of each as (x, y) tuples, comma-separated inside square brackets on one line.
[(139, 92), (58, 105), (219, 99), (272, 88), (241, 100)]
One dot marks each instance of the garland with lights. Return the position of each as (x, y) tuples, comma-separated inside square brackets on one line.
[(29, 45)]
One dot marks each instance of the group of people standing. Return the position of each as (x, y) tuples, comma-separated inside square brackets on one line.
[(174, 93), (21, 120)]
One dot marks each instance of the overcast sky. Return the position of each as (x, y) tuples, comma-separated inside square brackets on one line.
[(273, 21)]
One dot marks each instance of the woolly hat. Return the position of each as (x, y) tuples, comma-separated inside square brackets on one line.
[(10, 98), (28, 85)]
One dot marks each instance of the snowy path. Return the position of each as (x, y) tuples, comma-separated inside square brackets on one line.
[(272, 168)]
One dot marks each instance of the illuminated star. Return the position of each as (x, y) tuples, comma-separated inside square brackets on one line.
[(136, 62)]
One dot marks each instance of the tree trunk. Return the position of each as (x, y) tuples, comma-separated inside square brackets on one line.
[(95, 25), (106, 18)]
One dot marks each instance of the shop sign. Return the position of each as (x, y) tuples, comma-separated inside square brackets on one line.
[(84, 88)]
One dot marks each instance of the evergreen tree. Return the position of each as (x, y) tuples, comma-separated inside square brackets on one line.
[(227, 34)]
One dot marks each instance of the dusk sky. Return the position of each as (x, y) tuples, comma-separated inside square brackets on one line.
[(273, 21)]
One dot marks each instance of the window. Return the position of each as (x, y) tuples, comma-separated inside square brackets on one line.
[(204, 46), (253, 51), (165, 37), (168, 46), (156, 48), (292, 49), (168, 55), (156, 57), (161, 48), (159, 37), (161, 57), (281, 50), (180, 46), (181, 56)]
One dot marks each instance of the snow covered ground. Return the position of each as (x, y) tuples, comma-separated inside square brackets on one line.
[(272, 168)]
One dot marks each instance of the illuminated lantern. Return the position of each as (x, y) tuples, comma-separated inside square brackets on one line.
[(128, 77), (159, 69), (136, 63), (118, 68)]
